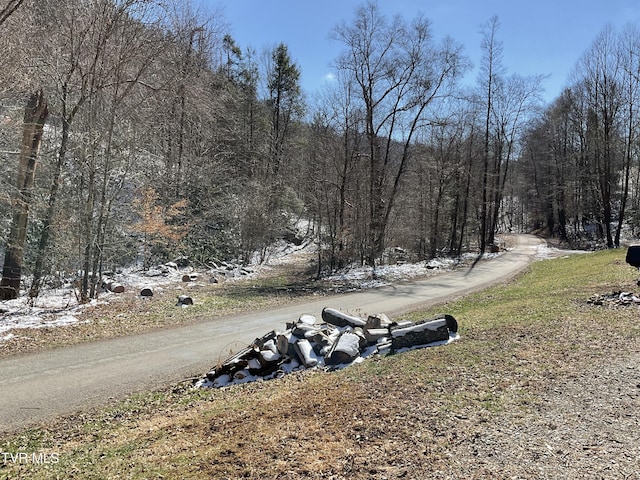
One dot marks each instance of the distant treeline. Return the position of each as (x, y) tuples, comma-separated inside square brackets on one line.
[(160, 137)]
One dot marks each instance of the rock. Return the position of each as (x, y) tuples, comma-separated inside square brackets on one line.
[(184, 300)]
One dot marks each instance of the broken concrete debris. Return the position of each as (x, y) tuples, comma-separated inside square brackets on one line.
[(615, 299), (339, 340)]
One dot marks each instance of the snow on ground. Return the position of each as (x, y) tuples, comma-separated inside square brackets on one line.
[(54, 308), (59, 307), (366, 277), (544, 252)]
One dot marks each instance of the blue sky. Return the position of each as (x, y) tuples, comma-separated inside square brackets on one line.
[(539, 37)]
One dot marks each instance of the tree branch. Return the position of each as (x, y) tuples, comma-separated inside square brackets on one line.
[(11, 7)]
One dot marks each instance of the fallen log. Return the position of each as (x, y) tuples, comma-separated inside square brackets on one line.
[(305, 352), (113, 286), (302, 330), (276, 354), (319, 338), (265, 341), (452, 323), (260, 367), (379, 320), (267, 357), (384, 347), (231, 365), (189, 277), (254, 366), (345, 350), (269, 346), (250, 359), (307, 319), (372, 335), (146, 292), (267, 352), (340, 319), (422, 333), (284, 342), (363, 340)]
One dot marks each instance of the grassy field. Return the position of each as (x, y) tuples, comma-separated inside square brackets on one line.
[(541, 384)]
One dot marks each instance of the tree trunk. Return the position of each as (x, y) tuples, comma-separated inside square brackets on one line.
[(305, 353), (35, 115), (340, 319), (345, 350), (423, 333), (466, 193), (39, 267), (114, 286), (7, 11)]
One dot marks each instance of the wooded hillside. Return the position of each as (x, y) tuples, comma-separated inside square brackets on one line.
[(153, 135)]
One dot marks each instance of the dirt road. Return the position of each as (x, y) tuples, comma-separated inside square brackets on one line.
[(37, 387)]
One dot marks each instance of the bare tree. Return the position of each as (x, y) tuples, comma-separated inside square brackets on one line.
[(548, 163), (515, 101), (9, 9), (599, 83), (628, 48), (90, 68), (334, 171), (491, 71), (399, 72), (508, 102)]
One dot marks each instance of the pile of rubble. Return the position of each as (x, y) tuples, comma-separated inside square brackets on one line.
[(614, 299), (339, 340)]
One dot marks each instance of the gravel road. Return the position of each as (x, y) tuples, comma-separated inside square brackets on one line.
[(41, 386)]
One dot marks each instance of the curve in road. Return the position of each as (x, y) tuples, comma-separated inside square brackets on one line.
[(35, 388)]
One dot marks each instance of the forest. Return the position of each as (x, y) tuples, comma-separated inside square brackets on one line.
[(134, 132)]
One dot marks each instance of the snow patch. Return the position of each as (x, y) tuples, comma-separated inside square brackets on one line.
[(33, 319), (366, 277), (544, 252)]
